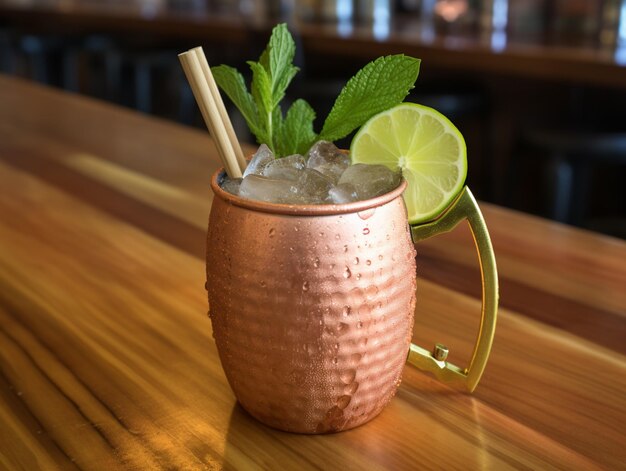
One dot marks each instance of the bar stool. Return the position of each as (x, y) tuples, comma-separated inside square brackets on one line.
[(571, 157), (37, 54), (7, 51)]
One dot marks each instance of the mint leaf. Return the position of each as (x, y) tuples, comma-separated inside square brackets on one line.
[(270, 78), (377, 87), (277, 59), (262, 93), (261, 88), (296, 134), (276, 123), (234, 86)]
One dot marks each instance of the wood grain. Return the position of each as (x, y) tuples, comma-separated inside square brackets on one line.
[(106, 355)]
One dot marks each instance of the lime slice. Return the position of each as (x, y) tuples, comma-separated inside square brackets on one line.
[(428, 148)]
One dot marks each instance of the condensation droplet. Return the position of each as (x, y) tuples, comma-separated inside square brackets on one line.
[(342, 328), (358, 276), (335, 360), (347, 273), (337, 236), (356, 260), (346, 311), (371, 291), (356, 357), (316, 262), (263, 284), (368, 213), (296, 228), (366, 230), (343, 401), (359, 325), (305, 286), (380, 257), (272, 232), (351, 388), (348, 376), (345, 248), (368, 262), (321, 234), (365, 310)]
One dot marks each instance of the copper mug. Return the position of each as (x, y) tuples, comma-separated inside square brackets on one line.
[(312, 305)]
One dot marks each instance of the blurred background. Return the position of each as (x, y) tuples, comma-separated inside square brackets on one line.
[(538, 87)]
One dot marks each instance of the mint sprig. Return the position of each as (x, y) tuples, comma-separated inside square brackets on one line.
[(380, 85), (271, 76)]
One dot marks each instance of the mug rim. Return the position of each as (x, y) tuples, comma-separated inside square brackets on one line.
[(303, 209)]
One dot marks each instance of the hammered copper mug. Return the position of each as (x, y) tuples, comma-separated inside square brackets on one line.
[(312, 305)]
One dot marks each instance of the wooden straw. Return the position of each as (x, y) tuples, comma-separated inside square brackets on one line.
[(208, 108), (217, 98)]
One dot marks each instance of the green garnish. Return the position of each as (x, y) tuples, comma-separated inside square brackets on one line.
[(378, 86)]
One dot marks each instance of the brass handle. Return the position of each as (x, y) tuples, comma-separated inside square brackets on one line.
[(463, 207)]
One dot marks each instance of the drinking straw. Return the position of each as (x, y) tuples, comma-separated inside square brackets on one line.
[(208, 108), (217, 98)]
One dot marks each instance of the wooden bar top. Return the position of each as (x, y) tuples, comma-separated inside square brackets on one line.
[(106, 354)]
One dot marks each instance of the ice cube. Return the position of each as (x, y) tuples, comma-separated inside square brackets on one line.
[(327, 159), (371, 180), (313, 186), (272, 190), (343, 193), (231, 185), (285, 168), (263, 157)]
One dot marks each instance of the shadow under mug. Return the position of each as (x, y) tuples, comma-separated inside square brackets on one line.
[(312, 305)]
